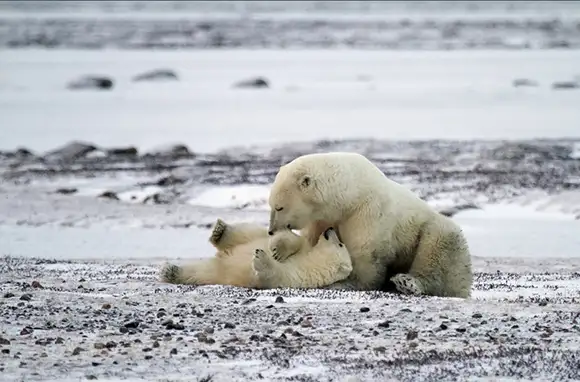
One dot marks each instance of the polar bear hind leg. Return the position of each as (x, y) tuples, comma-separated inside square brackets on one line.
[(407, 284), (226, 236), (442, 265)]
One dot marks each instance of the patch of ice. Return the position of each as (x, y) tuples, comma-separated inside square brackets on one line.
[(512, 211), (239, 197), (139, 195), (575, 151)]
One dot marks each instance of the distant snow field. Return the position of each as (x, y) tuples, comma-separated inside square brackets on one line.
[(312, 95)]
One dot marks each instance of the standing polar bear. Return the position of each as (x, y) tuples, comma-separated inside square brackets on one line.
[(390, 232), (247, 257)]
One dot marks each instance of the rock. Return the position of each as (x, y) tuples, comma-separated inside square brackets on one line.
[(66, 191), (365, 309), (384, 324), (123, 151), (99, 345), (157, 75), (109, 195), (443, 327), (253, 83), (26, 330), (565, 85), (91, 82), (170, 180), (157, 198), (9, 295), (4, 341), (71, 151), (26, 297), (173, 351), (412, 335), (520, 82), (279, 300), (132, 324), (106, 306), (451, 211), (174, 151), (36, 284)]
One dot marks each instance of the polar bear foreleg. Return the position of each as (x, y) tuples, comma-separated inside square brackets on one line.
[(226, 236)]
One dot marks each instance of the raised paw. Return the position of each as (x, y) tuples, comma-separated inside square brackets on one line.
[(218, 232), (170, 273), (407, 284), (261, 262), (278, 255)]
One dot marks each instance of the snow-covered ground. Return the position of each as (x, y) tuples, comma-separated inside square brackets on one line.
[(450, 125)]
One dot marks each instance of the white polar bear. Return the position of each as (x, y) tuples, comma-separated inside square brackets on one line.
[(390, 232), (247, 257)]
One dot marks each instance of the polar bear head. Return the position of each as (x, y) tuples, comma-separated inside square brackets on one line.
[(315, 188)]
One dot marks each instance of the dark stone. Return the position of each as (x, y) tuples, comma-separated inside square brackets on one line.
[(565, 85), (123, 151), (253, 83), (66, 191), (71, 151), (109, 195), (412, 335), (451, 211), (279, 300), (157, 75), (91, 82), (365, 309)]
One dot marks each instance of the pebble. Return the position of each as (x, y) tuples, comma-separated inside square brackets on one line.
[(412, 335), (9, 295), (384, 324), (106, 306), (279, 300), (26, 330), (26, 297), (36, 284), (365, 309)]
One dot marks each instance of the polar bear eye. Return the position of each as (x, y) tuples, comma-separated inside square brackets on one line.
[(340, 245), (279, 209)]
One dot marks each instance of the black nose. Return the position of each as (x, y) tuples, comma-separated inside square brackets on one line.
[(270, 233)]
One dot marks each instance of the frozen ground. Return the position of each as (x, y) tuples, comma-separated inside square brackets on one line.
[(92, 225)]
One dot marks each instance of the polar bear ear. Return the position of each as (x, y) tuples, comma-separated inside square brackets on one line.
[(305, 181)]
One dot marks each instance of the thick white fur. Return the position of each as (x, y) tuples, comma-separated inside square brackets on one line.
[(390, 232), (245, 258)]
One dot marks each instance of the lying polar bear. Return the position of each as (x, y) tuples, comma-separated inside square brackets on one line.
[(247, 257)]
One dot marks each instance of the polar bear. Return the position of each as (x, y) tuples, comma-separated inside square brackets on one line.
[(247, 257), (392, 235)]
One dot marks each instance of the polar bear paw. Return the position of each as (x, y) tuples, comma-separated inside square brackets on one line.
[(262, 263), (170, 273), (407, 284), (218, 232)]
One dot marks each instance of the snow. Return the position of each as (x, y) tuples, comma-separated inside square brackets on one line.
[(253, 196), (411, 95)]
